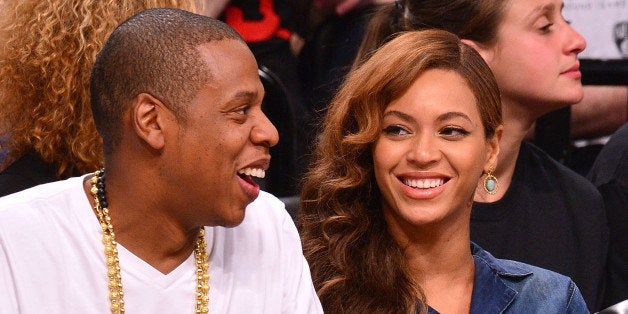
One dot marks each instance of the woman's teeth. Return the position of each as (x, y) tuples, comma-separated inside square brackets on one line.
[(423, 183), (254, 172)]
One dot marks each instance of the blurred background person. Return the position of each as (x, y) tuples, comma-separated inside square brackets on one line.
[(610, 175)]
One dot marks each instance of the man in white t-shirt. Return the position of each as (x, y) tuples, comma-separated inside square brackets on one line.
[(174, 223)]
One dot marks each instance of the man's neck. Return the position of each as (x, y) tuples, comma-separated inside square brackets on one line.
[(145, 230)]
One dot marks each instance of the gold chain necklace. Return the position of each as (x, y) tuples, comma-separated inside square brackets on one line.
[(116, 296)]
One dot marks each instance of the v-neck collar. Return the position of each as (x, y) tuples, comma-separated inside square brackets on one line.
[(132, 265)]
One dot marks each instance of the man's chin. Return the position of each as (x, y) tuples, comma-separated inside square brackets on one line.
[(235, 219)]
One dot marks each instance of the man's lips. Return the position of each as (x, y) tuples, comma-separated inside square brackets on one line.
[(255, 169), (249, 186), (247, 174), (254, 172)]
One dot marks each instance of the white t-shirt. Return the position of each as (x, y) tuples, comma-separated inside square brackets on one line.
[(52, 261)]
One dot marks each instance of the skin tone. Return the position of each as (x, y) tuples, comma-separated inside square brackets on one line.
[(192, 172), (535, 64), (601, 112), (427, 161)]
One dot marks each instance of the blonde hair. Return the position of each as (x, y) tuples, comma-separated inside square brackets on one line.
[(49, 47)]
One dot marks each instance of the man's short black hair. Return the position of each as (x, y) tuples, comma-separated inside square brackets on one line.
[(154, 52)]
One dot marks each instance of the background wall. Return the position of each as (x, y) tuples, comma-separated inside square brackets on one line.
[(604, 24)]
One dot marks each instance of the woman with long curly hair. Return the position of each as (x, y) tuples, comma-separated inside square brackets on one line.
[(541, 212), (48, 51), (386, 205)]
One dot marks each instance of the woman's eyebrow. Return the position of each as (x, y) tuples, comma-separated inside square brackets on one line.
[(453, 114)]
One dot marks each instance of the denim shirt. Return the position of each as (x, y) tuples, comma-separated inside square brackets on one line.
[(504, 286)]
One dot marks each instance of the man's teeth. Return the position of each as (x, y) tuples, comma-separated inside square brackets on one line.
[(424, 183), (254, 172)]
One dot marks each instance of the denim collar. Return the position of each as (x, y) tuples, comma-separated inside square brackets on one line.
[(491, 293)]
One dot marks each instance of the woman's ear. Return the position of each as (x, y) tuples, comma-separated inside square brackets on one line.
[(149, 120), (485, 52), (493, 149)]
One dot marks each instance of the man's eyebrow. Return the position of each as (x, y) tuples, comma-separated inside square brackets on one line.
[(245, 94)]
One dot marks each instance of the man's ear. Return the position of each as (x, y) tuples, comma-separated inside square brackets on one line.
[(485, 52), (149, 119)]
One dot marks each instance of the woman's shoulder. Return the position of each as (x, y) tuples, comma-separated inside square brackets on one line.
[(548, 291), (522, 287)]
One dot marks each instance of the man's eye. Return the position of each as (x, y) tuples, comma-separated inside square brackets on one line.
[(243, 110)]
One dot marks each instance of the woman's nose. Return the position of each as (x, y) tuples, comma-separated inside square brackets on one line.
[(575, 42), (424, 151)]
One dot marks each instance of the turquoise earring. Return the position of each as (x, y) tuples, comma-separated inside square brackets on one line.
[(490, 182)]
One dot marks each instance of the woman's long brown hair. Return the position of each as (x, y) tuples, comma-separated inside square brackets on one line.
[(356, 265)]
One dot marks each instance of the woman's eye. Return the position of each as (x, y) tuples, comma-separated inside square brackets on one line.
[(546, 28), (455, 132), (395, 130)]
